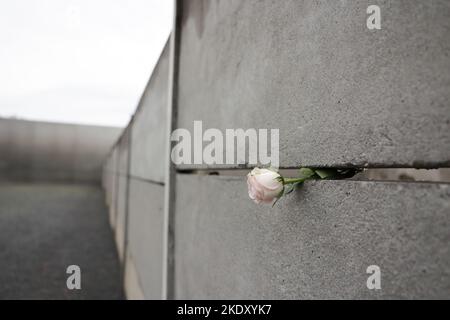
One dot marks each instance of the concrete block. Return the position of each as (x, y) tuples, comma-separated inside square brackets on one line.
[(114, 185), (149, 136), (122, 193), (108, 176), (132, 286), (119, 219), (145, 235), (124, 147), (340, 94), (316, 243)]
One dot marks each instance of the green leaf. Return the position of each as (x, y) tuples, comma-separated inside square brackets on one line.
[(305, 173), (290, 188), (326, 173), (281, 193), (279, 196)]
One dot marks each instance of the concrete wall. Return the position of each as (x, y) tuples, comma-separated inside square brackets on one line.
[(342, 96), (315, 244), (41, 151), (136, 196), (119, 217), (348, 95)]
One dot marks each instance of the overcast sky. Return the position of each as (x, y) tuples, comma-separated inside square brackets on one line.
[(78, 61)]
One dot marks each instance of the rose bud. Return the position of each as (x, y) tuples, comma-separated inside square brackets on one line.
[(264, 185)]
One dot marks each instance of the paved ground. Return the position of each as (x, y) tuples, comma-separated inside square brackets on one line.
[(46, 227)]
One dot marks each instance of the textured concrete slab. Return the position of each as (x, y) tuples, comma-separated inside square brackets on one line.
[(149, 136), (339, 93), (109, 172), (122, 193), (44, 228), (119, 224), (316, 243), (133, 290), (113, 186), (145, 235), (123, 149)]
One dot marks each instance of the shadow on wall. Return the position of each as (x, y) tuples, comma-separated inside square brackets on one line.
[(53, 152)]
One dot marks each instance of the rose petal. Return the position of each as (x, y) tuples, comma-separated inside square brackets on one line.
[(269, 180)]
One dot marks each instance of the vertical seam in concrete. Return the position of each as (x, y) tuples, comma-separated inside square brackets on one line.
[(168, 267), (116, 186), (127, 200)]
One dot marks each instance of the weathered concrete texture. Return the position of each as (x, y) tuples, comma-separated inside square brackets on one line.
[(339, 93), (113, 185), (108, 178), (145, 236), (122, 193), (403, 174), (40, 151), (315, 243), (44, 228), (109, 172), (119, 222), (149, 136), (123, 148), (133, 289)]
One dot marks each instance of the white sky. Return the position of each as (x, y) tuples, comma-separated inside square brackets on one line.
[(78, 61)]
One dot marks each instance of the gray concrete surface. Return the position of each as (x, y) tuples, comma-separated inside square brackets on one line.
[(148, 142), (145, 235), (44, 228), (112, 185), (41, 151), (339, 93), (119, 220), (122, 193), (315, 243), (147, 145)]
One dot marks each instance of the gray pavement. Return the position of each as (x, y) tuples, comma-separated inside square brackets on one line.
[(44, 228)]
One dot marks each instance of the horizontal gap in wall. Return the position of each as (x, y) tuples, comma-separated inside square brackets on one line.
[(146, 180), (441, 175)]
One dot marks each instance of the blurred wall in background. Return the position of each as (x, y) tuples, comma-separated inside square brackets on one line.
[(41, 151)]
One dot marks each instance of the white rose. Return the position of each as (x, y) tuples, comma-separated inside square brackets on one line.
[(263, 185)]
